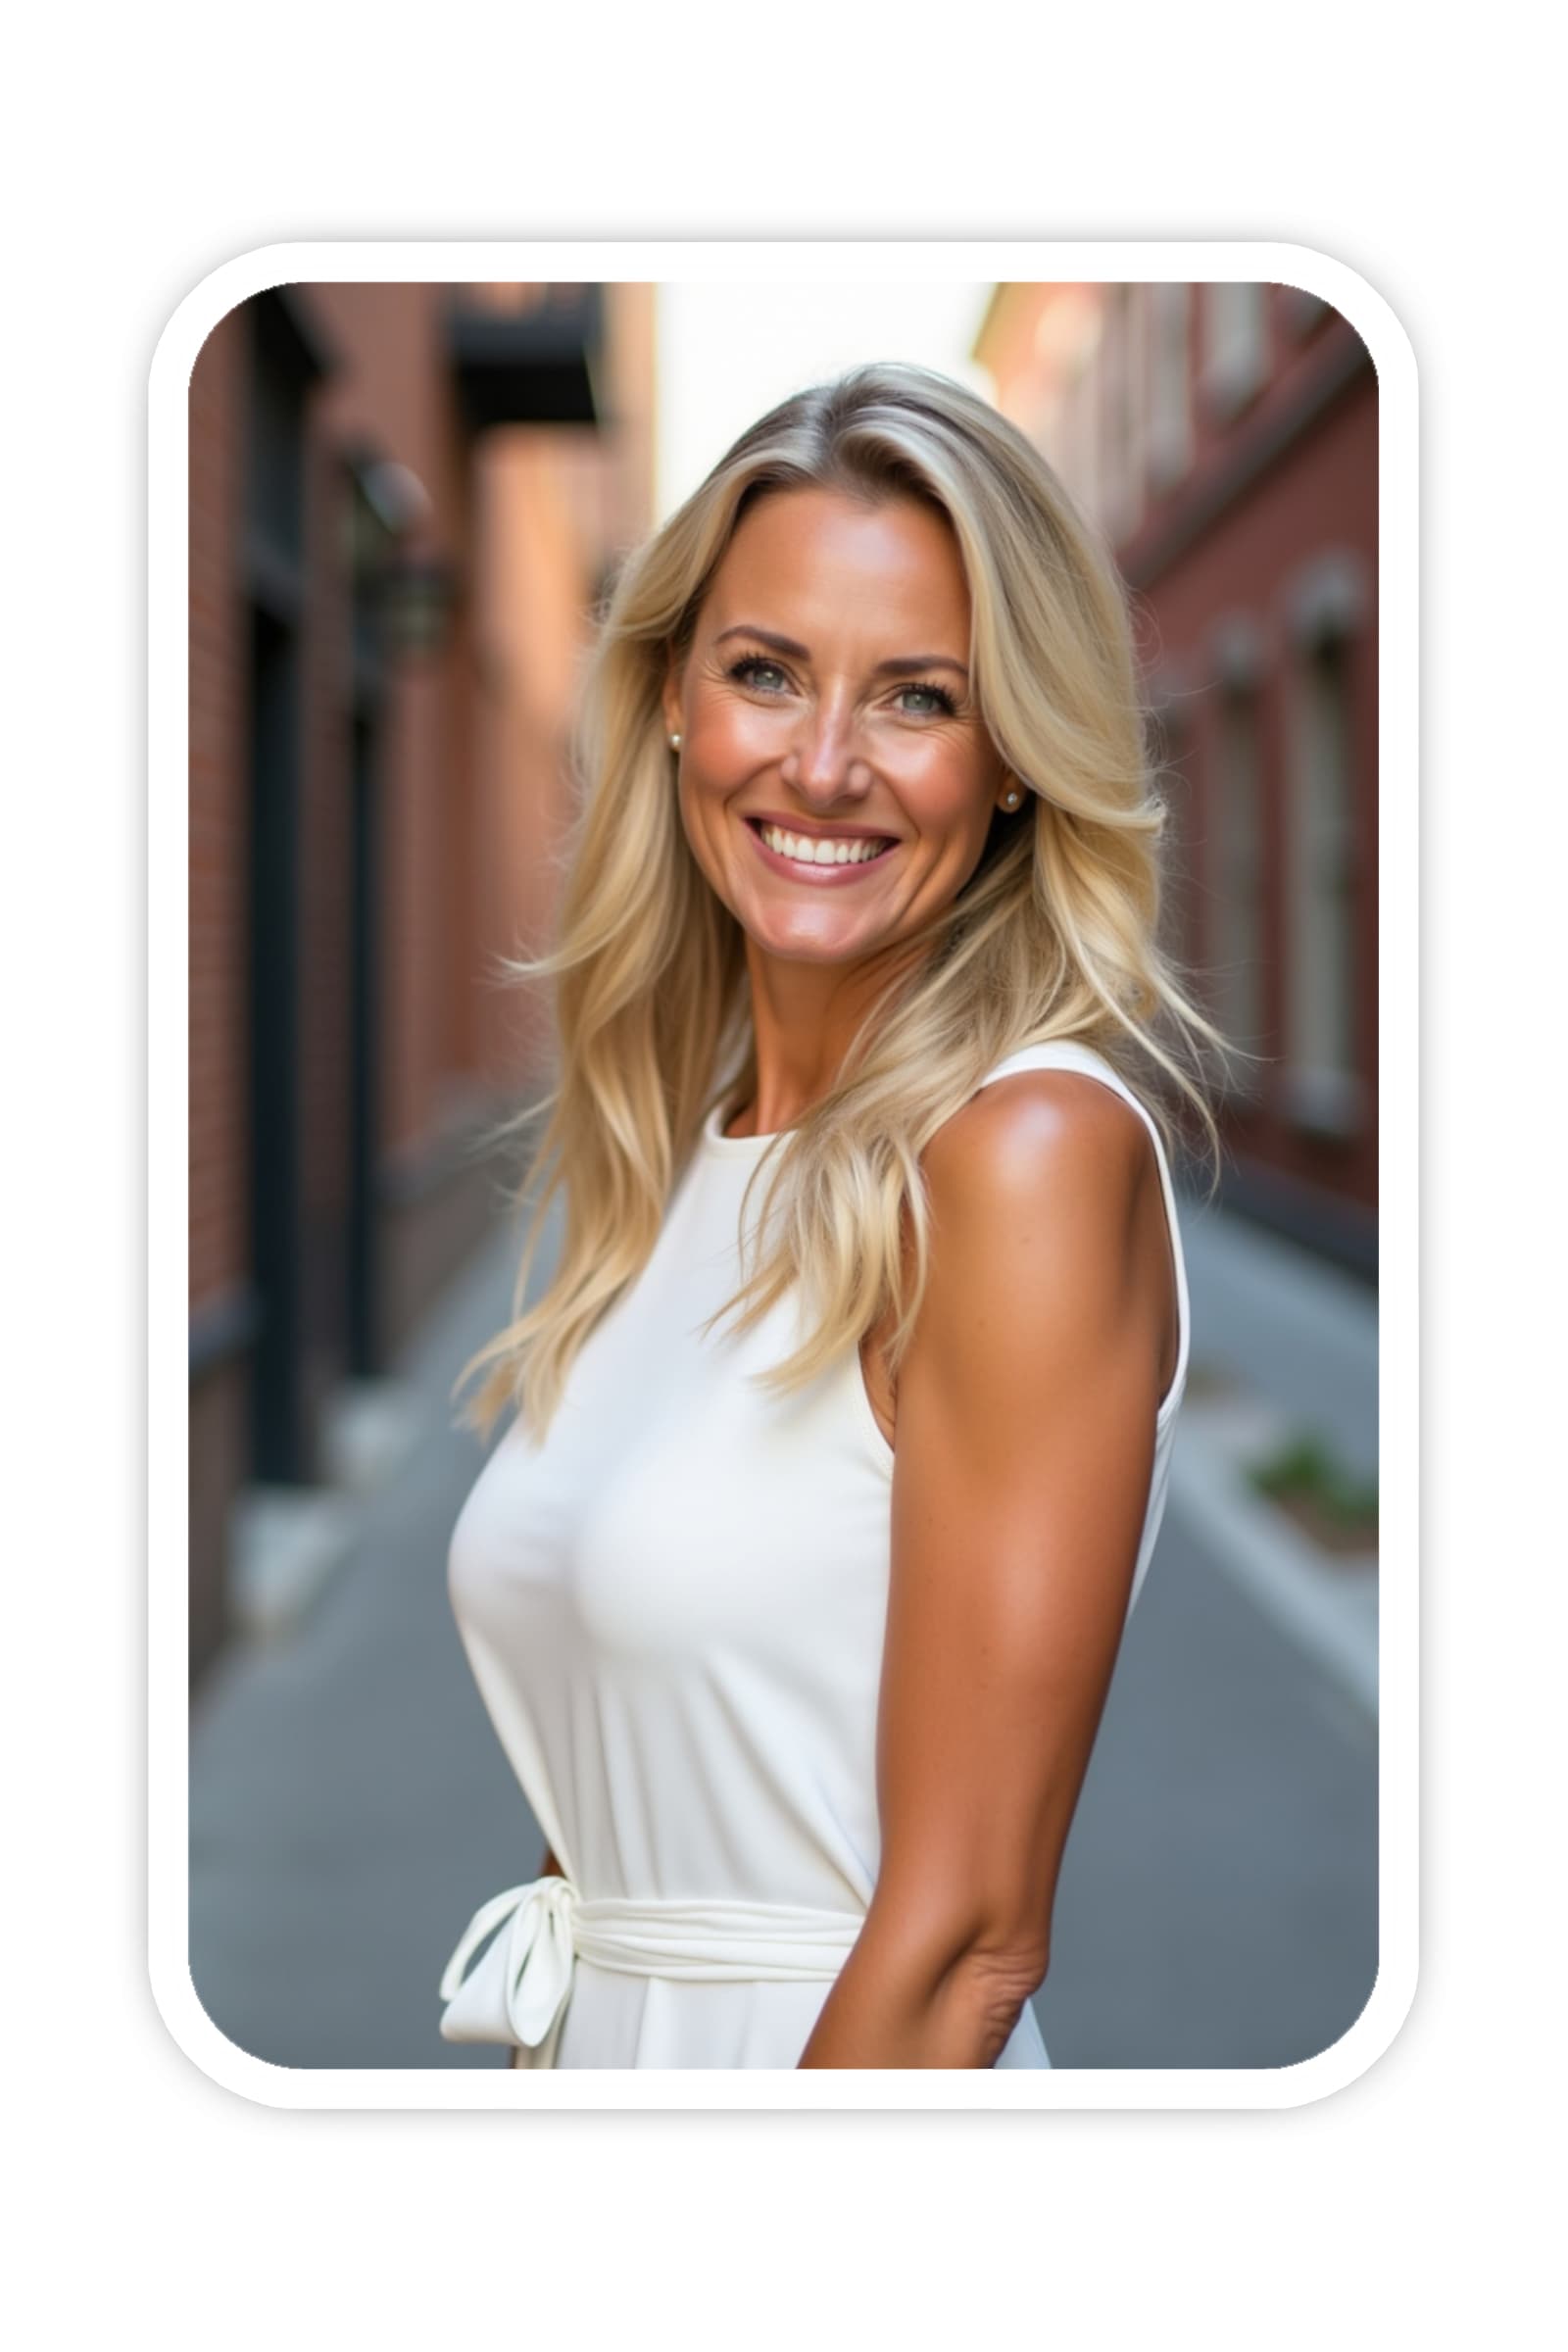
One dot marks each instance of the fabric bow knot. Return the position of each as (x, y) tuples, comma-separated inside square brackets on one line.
[(519, 1988)]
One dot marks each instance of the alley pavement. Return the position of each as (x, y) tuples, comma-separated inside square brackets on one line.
[(350, 1806)]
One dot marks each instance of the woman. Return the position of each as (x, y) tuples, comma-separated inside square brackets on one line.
[(795, 1589)]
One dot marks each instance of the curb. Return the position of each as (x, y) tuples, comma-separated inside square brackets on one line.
[(287, 1543), (1326, 1605)]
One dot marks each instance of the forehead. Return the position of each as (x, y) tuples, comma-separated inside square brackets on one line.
[(816, 563)]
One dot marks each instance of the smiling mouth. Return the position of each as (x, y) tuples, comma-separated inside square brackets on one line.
[(818, 850)]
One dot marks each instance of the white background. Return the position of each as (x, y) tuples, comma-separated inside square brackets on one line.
[(727, 353), (144, 149)]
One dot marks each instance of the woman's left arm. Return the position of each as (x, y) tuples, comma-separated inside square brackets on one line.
[(1025, 1436)]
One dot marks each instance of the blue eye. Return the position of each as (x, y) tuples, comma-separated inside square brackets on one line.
[(942, 698), (755, 671), (743, 672)]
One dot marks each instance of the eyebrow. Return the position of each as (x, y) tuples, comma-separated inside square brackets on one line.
[(901, 666)]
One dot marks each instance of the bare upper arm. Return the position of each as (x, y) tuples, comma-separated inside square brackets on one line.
[(1026, 1414)]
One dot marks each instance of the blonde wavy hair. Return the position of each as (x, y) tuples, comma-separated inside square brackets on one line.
[(1055, 934)]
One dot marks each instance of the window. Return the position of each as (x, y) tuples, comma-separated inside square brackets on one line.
[(1123, 391), (1238, 878), (1170, 406), (1234, 345), (1322, 1089)]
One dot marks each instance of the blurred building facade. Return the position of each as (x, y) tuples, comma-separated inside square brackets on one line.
[(402, 501), (1224, 439)]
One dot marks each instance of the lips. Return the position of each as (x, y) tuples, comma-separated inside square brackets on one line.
[(818, 870), (813, 832)]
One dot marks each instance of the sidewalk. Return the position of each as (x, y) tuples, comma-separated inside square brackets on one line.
[(1293, 1328), (1283, 1345)]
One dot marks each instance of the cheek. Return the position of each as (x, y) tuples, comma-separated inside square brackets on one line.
[(954, 809), (727, 740), (702, 820), (724, 747)]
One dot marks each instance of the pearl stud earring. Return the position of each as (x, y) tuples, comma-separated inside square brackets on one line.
[(674, 743), (1011, 801)]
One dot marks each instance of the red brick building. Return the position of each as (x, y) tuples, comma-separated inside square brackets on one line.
[(402, 500), (1225, 439)]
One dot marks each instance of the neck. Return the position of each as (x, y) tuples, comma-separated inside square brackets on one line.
[(803, 1017)]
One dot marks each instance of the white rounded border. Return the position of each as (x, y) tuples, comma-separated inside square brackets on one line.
[(711, 261)]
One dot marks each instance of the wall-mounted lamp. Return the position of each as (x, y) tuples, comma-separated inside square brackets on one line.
[(418, 592)]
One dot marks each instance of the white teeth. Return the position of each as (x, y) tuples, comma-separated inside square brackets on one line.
[(808, 849)]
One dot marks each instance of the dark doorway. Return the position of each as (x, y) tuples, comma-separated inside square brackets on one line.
[(363, 1341), (371, 545), (275, 1404)]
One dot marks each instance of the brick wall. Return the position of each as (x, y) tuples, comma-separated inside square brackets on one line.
[(470, 799), (219, 1250)]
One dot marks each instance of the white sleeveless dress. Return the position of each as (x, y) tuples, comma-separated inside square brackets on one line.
[(674, 1613)]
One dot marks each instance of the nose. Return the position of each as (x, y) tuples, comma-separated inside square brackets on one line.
[(825, 762)]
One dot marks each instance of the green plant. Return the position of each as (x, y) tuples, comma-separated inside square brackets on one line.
[(1303, 1467)]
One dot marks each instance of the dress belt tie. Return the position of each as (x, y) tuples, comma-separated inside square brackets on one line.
[(520, 1989)]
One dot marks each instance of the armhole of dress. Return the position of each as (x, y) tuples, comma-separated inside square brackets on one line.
[(1068, 1054)]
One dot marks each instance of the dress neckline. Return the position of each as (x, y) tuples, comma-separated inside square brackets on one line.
[(717, 1141), (733, 1145)]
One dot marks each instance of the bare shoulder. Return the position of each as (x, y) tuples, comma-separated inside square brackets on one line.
[(1037, 1139), (1048, 1245)]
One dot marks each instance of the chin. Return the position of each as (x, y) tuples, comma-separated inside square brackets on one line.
[(813, 943)]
